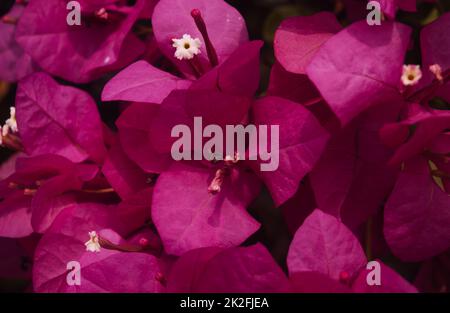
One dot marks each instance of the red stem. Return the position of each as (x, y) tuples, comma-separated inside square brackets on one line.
[(200, 22)]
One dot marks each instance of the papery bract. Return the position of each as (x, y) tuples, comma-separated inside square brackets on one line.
[(301, 141), (239, 269), (323, 244), (36, 192), (79, 53), (426, 124), (202, 219), (142, 82), (352, 178), (15, 215), (105, 271), (16, 63), (417, 214), (243, 269), (372, 78), (295, 87), (124, 175), (58, 119), (297, 39), (188, 269), (435, 47), (135, 137)]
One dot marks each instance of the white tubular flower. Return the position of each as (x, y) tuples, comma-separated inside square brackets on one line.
[(11, 121), (411, 74), (93, 245), (187, 47), (437, 72)]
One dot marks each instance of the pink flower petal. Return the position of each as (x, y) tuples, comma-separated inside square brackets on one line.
[(352, 83), (172, 19), (325, 245), (301, 141), (298, 39), (417, 214), (187, 216), (58, 119), (142, 82)]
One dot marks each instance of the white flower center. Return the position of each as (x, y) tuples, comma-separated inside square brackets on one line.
[(92, 245), (411, 74), (11, 121), (10, 125), (186, 47)]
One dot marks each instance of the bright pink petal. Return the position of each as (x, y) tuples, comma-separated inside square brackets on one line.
[(295, 87), (123, 174), (187, 216), (301, 141), (435, 47), (417, 214), (298, 39), (352, 83), (15, 215), (188, 269), (325, 245), (58, 119), (51, 198), (243, 269), (7, 167), (172, 19), (423, 127), (78, 53), (15, 64), (352, 179), (135, 210), (238, 75), (134, 132), (105, 271), (142, 82)]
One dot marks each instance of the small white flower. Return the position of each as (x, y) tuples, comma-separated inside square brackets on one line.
[(187, 47), (232, 159), (11, 121), (411, 74), (93, 245), (437, 71)]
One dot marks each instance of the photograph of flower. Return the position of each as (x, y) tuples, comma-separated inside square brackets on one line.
[(212, 146)]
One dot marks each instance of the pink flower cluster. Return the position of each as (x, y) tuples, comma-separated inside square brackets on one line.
[(364, 151)]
